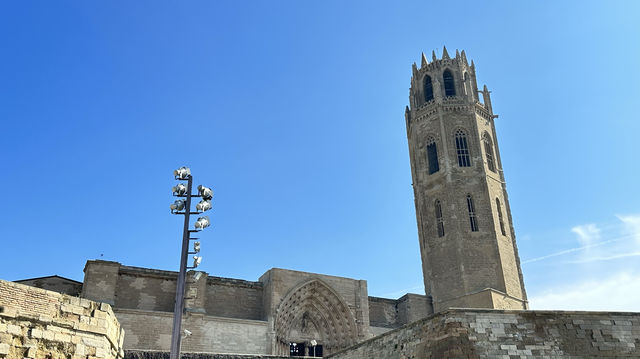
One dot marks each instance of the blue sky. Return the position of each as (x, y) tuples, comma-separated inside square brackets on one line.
[(294, 113)]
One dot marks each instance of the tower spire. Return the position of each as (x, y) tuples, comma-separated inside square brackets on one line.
[(424, 61), (457, 53), (433, 55), (445, 54)]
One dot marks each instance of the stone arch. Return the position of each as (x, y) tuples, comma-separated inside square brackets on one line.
[(314, 311)]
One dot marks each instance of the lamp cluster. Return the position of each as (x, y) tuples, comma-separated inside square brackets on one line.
[(181, 206)]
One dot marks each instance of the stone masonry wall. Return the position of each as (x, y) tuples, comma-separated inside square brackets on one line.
[(147, 330), (138, 354), (484, 333), (56, 284), (37, 323)]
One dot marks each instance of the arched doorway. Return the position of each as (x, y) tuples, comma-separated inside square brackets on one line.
[(313, 313)]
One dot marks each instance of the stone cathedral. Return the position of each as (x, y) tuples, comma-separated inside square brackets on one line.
[(475, 303)]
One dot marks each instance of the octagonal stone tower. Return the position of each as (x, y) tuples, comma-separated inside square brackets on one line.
[(467, 241)]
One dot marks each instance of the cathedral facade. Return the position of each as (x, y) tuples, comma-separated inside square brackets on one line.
[(467, 243)]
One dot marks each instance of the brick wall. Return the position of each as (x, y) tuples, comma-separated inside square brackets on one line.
[(37, 323), (482, 333)]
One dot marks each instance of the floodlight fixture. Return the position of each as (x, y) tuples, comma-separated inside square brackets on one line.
[(314, 343), (182, 173), (179, 190), (197, 276), (196, 261), (178, 205), (187, 333), (202, 223), (203, 205), (205, 192), (196, 247)]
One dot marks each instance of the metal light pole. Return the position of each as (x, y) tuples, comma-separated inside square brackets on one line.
[(184, 207)]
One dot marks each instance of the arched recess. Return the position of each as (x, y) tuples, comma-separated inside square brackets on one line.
[(313, 311)]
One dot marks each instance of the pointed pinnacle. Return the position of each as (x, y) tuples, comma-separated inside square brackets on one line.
[(485, 89), (445, 54), (433, 55), (424, 61), (472, 65), (457, 53), (464, 57), (414, 68)]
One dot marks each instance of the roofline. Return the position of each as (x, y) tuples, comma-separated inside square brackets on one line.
[(48, 276)]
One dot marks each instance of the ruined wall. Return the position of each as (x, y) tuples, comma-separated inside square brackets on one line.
[(37, 323), (152, 331), (484, 333)]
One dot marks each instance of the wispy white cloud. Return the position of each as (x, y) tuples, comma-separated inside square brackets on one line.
[(618, 292), (632, 226), (571, 250), (587, 234), (615, 241)]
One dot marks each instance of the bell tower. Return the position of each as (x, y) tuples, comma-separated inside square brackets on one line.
[(467, 241)]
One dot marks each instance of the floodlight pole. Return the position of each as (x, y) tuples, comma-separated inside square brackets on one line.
[(176, 338)]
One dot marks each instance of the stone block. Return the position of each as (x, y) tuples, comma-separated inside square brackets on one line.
[(100, 314), (85, 303), (8, 312), (36, 333), (4, 348), (60, 337), (101, 353), (48, 335), (31, 352), (14, 329)]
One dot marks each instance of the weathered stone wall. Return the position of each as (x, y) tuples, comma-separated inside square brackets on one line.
[(145, 290), (478, 333), (383, 312), (56, 284), (138, 354), (155, 290), (234, 298), (390, 313), (37, 323), (148, 330)]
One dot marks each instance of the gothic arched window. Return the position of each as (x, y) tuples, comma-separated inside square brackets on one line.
[(439, 220), (472, 214), (449, 85), (428, 89), (462, 149), (500, 219), (488, 151), (432, 155)]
